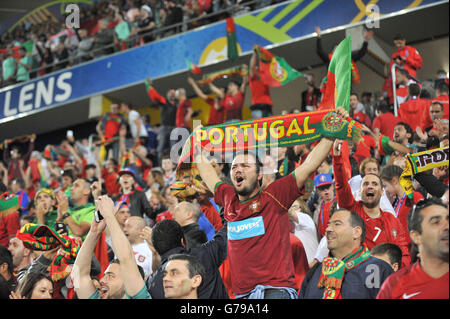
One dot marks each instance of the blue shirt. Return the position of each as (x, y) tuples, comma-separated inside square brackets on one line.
[(206, 226)]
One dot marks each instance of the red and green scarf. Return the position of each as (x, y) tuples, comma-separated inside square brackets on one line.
[(334, 270), (274, 131), (239, 70), (42, 237)]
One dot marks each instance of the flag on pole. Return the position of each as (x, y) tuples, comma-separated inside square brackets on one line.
[(193, 68), (339, 77), (274, 70), (232, 50)]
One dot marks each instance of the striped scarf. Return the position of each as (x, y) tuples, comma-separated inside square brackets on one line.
[(333, 271), (41, 237)]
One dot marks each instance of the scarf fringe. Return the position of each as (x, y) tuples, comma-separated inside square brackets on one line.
[(334, 283)]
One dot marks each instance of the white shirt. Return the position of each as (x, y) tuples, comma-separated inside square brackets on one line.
[(144, 257), (132, 117), (322, 250), (306, 231)]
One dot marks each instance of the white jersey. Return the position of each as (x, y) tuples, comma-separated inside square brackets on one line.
[(144, 257), (132, 117), (306, 231)]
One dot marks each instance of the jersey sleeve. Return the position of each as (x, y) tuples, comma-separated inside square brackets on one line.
[(414, 59), (284, 191), (223, 193), (344, 194)]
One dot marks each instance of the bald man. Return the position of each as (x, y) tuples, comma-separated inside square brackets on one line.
[(133, 228), (191, 218)]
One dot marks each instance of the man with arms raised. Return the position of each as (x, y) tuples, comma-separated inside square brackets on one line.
[(258, 225), (123, 278), (381, 226)]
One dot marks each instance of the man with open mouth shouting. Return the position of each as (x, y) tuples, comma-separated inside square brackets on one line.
[(258, 225), (381, 226)]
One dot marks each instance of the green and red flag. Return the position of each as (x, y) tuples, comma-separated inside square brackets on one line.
[(274, 70), (339, 77), (232, 49), (193, 68)]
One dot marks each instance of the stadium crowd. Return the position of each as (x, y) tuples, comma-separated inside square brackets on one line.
[(98, 217), (32, 50)]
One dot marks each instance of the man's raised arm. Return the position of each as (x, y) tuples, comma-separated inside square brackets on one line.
[(132, 278), (82, 267), (317, 155), (206, 170)]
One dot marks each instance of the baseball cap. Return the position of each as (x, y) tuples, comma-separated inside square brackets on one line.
[(322, 180), (127, 170)]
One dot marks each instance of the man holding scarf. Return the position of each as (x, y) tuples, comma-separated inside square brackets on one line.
[(349, 272), (258, 226)]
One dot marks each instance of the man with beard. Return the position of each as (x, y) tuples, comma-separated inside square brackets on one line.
[(427, 278), (259, 248), (381, 226), (123, 279), (403, 135)]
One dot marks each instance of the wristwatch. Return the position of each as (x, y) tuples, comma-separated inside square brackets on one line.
[(65, 216)]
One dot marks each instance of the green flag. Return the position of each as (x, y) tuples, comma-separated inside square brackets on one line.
[(232, 50), (339, 77)]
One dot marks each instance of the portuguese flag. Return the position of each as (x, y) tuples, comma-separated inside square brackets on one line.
[(232, 50), (273, 70), (193, 68), (339, 77)]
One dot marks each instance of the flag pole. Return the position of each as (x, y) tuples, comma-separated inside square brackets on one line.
[(394, 91)]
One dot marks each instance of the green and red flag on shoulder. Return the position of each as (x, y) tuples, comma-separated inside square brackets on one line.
[(193, 68), (339, 77), (274, 70), (232, 49)]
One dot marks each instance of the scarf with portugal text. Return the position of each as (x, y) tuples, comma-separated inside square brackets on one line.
[(275, 131)]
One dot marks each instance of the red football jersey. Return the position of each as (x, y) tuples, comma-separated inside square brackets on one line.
[(233, 106), (215, 116), (383, 229), (260, 91), (412, 282), (258, 235)]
